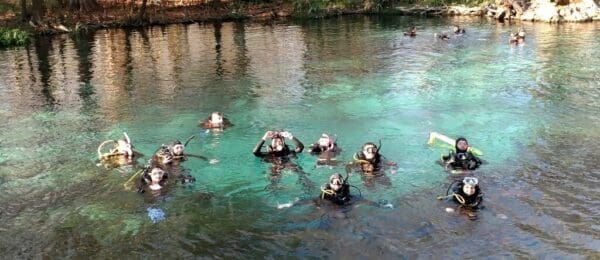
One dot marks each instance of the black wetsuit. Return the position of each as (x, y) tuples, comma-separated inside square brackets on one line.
[(340, 197), (461, 159), (326, 156), (275, 154), (316, 149), (472, 201), (459, 31), (376, 161), (207, 125)]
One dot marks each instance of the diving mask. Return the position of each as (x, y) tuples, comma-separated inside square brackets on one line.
[(370, 151), (325, 141), (470, 181)]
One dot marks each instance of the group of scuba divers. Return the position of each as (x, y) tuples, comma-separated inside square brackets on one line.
[(368, 162), (515, 38)]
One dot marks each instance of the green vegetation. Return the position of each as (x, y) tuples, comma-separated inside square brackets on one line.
[(321, 7), (13, 37), (6, 7)]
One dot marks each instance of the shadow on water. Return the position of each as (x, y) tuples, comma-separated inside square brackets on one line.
[(532, 109)]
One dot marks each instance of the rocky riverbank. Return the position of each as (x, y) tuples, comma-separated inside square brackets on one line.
[(126, 15)]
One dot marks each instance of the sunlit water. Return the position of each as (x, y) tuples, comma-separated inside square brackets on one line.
[(532, 109)]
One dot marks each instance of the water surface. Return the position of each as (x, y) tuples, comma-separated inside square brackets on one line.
[(532, 109)]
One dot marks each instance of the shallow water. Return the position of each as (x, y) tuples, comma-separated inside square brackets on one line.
[(532, 109)]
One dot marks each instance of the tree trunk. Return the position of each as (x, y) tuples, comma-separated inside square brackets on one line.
[(24, 11), (37, 10), (83, 5), (142, 11)]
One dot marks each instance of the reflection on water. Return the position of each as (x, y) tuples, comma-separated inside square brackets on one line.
[(532, 109)]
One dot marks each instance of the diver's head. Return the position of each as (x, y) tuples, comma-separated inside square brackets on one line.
[(369, 150), (124, 147), (469, 185), (325, 142), (216, 118), (413, 29), (277, 143), (456, 29), (335, 182), (177, 148), (461, 145), (163, 155), (521, 32), (156, 176)]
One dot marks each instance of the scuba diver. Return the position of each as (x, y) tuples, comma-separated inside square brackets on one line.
[(517, 38), (326, 149), (336, 190), (412, 32), (153, 178), (170, 156), (371, 163), (215, 121), (279, 155), (457, 30), (442, 36), (122, 153), (174, 152), (278, 147), (466, 194), (461, 159), (369, 159)]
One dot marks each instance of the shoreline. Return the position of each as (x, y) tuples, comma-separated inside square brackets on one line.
[(122, 16)]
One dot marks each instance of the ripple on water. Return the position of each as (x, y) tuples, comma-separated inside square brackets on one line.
[(532, 110)]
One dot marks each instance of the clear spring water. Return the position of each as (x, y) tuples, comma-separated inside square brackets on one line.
[(532, 109)]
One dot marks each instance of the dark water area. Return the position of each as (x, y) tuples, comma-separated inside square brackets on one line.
[(532, 109)]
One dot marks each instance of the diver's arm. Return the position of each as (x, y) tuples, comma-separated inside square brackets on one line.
[(197, 156), (447, 160), (348, 168), (226, 122), (298, 146), (478, 201), (257, 148), (312, 149), (387, 162), (256, 151)]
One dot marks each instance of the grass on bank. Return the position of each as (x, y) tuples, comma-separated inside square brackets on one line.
[(13, 37), (317, 7)]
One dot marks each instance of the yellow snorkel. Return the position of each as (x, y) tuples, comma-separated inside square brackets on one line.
[(433, 136)]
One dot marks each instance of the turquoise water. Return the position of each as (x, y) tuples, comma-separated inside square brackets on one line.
[(532, 109)]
